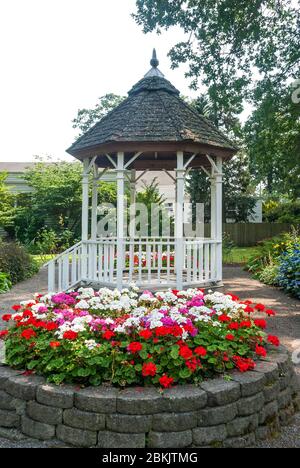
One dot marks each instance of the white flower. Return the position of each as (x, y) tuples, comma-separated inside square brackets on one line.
[(90, 344), (83, 305)]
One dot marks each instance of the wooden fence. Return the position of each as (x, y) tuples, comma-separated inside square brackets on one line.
[(248, 234)]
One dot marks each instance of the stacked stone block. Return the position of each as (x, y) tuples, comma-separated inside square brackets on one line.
[(232, 412)]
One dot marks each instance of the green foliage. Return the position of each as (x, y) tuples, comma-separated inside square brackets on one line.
[(242, 51), (86, 118), (282, 211), (228, 246), (48, 219), (266, 264), (269, 274), (228, 41), (16, 262), (6, 203), (272, 135), (90, 357), (238, 197), (5, 283), (289, 271)]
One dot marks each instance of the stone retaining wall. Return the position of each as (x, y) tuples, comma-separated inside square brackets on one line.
[(218, 413)]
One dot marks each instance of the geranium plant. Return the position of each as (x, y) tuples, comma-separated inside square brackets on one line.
[(92, 337)]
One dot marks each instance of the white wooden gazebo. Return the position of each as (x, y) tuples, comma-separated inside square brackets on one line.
[(153, 129)]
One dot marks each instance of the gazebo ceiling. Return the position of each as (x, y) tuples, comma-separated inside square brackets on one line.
[(153, 119)]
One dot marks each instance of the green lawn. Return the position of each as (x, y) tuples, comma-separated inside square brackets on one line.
[(239, 255), (42, 259)]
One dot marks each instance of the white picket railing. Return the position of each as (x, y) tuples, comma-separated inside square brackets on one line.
[(150, 262)]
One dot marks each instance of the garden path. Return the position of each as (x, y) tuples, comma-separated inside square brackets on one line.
[(286, 325)]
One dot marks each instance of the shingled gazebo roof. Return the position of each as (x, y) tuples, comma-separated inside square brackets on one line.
[(153, 118)]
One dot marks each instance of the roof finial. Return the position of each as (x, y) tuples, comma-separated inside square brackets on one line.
[(154, 62)]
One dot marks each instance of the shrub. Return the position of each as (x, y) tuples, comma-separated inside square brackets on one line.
[(270, 250), (48, 241), (172, 337), (16, 262), (289, 272), (5, 283), (282, 212), (269, 274)]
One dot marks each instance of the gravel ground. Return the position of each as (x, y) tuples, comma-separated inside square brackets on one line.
[(286, 325)]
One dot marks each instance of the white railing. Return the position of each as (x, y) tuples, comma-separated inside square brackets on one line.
[(150, 262)]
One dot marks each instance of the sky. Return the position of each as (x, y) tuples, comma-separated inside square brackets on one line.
[(57, 56)]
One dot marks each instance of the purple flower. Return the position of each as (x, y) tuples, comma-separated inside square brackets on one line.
[(63, 298)]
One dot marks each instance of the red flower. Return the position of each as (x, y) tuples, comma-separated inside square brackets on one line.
[(260, 323), (51, 326), (185, 352), (224, 318), (70, 335), (27, 334), (260, 351), (54, 344), (192, 364), (260, 307), (176, 330), (27, 313), (233, 297), (245, 324), (200, 351), (229, 337), (108, 335), (274, 340), (270, 312), (162, 331), (135, 347), (6, 317), (249, 309), (149, 369), (243, 364), (233, 326), (3, 334), (146, 334), (166, 381), (16, 307), (17, 318)]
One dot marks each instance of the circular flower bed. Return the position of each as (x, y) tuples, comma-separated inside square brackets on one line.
[(175, 337)]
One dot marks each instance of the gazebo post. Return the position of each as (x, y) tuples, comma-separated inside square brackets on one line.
[(94, 204), (179, 220), (85, 216), (93, 260), (218, 217), (132, 202), (213, 219), (120, 219)]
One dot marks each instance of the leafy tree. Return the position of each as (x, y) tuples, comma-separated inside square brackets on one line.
[(238, 193), (272, 135), (242, 50), (238, 196), (6, 203), (227, 41), (86, 118), (54, 205)]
